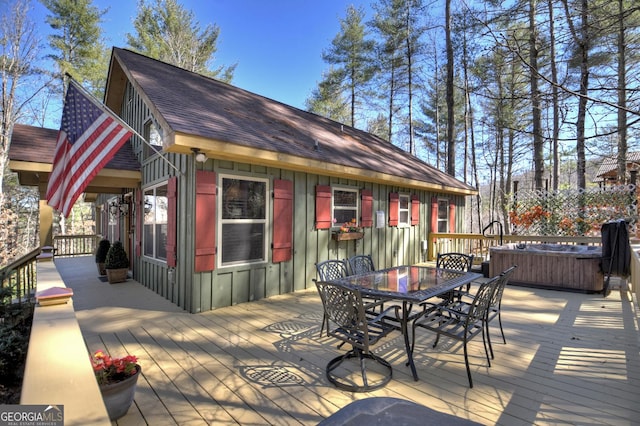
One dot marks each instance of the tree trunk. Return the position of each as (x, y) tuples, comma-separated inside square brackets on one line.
[(451, 150), (555, 100), (538, 143), (622, 97)]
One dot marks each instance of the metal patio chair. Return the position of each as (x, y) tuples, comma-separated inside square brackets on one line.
[(330, 270), (361, 264), (343, 307), (460, 324)]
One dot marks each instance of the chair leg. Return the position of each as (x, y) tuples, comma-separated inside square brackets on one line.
[(324, 323), (486, 328), (501, 330), (466, 362), (486, 353)]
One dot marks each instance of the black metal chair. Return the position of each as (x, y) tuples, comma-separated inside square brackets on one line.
[(361, 264), (463, 303), (496, 305), (330, 270), (455, 262), (460, 324), (343, 307)]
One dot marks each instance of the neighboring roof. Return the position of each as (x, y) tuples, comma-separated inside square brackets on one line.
[(231, 123), (31, 156), (609, 166)]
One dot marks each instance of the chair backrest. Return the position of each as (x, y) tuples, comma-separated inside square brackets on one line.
[(503, 279), (361, 264), (330, 270), (482, 301), (454, 261), (343, 306)]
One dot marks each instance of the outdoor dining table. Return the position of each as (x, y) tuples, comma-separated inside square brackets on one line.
[(410, 285)]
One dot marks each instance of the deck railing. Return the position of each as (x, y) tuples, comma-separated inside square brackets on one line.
[(75, 245), (21, 276), (478, 244)]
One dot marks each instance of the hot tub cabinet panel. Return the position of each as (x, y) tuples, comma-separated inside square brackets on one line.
[(550, 266)]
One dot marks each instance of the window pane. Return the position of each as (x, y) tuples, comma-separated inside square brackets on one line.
[(161, 241), (242, 242), (342, 216), (345, 198), (443, 209), (148, 240), (149, 207), (404, 217), (404, 202), (243, 199), (162, 204), (442, 226)]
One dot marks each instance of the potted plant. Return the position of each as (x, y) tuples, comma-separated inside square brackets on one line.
[(117, 379), (116, 263), (101, 255)]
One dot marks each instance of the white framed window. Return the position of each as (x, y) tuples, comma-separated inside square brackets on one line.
[(443, 215), (154, 236), (345, 205), (243, 219), (404, 210)]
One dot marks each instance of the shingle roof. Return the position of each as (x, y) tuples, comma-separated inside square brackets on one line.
[(609, 165), (38, 144), (196, 105)]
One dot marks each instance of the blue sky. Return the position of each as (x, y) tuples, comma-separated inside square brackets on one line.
[(277, 44)]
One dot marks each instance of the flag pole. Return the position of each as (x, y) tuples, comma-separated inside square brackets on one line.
[(107, 110)]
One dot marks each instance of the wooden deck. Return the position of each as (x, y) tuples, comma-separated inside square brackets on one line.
[(570, 358)]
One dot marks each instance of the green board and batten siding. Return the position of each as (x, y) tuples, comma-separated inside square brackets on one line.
[(225, 286)]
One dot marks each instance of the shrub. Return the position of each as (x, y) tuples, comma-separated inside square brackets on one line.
[(116, 257), (103, 249)]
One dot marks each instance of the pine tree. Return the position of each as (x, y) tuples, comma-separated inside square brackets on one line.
[(169, 33)]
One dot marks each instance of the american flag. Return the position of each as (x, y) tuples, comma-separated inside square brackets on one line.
[(89, 137)]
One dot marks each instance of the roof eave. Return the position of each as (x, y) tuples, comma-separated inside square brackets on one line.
[(183, 144)]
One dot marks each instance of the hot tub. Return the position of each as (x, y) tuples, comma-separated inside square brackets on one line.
[(557, 266)]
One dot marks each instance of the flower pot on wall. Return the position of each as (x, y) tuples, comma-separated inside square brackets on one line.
[(345, 236), (118, 396)]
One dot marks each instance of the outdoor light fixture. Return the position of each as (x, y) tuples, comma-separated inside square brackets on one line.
[(201, 157), (119, 206)]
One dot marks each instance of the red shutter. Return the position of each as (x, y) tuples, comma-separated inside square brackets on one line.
[(394, 205), (139, 221), (172, 213), (205, 229), (366, 208), (323, 207), (415, 209), (434, 214), (282, 220), (452, 216)]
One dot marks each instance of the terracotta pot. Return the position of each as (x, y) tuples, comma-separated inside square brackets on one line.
[(117, 275), (118, 396)]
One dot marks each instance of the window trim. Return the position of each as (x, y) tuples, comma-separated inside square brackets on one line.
[(445, 202), (404, 197), (219, 221), (155, 223), (334, 223)]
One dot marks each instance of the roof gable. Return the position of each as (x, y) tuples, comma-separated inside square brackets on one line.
[(202, 107)]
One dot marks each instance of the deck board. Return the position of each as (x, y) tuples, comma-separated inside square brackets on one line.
[(570, 358)]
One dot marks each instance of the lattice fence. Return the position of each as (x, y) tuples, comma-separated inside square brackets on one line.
[(572, 212)]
